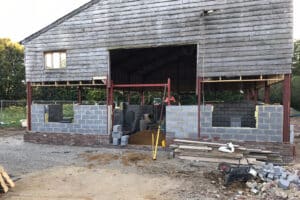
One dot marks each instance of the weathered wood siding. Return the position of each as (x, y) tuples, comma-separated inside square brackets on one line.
[(244, 37)]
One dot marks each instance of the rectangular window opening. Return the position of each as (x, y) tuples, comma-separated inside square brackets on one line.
[(55, 59), (237, 114), (62, 113)]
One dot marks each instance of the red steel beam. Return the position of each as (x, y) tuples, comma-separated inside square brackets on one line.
[(169, 91), (29, 102), (286, 100)]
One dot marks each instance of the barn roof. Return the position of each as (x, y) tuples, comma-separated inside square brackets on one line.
[(59, 21)]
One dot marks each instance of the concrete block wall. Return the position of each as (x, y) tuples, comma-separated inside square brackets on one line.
[(181, 122), (88, 119)]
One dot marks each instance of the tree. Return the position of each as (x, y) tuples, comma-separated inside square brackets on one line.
[(296, 76), (296, 58), (12, 70)]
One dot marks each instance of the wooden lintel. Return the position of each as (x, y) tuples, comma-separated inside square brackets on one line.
[(241, 80), (68, 83)]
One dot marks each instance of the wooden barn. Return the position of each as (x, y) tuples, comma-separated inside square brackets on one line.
[(176, 49)]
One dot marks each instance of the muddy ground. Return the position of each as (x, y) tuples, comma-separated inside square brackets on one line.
[(64, 172)]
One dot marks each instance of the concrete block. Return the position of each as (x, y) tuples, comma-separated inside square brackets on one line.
[(262, 138), (284, 175), (276, 138), (116, 141), (264, 126), (250, 138), (263, 115), (284, 184), (270, 108), (227, 137), (269, 132), (239, 137), (270, 176), (293, 178)]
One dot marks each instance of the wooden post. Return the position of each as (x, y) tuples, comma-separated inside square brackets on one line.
[(142, 98), (267, 93), (255, 97), (29, 102), (199, 85), (286, 100), (79, 95)]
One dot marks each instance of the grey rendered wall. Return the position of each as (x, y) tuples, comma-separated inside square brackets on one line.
[(88, 119), (243, 37), (181, 122)]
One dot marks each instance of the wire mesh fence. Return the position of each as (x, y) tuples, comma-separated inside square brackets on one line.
[(12, 112)]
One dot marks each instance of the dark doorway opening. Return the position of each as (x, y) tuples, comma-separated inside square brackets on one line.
[(150, 66)]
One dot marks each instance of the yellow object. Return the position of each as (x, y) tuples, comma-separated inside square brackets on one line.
[(163, 143), (153, 143), (156, 144)]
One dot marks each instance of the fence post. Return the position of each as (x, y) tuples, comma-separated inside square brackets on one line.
[(1, 105)]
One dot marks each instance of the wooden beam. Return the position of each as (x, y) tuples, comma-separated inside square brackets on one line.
[(267, 92), (218, 160), (199, 85)]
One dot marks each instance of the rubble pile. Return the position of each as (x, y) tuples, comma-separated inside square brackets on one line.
[(275, 182)]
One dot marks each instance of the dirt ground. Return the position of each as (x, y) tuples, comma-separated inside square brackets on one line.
[(46, 172)]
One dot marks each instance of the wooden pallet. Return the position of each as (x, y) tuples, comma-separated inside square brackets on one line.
[(5, 181)]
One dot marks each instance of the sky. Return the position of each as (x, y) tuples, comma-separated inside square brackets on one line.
[(21, 18)]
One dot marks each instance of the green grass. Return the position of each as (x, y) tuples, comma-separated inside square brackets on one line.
[(12, 115), (68, 110)]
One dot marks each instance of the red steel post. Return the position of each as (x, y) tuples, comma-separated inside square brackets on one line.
[(29, 101), (286, 100), (169, 91)]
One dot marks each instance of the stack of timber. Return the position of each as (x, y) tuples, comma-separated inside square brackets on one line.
[(5, 181), (208, 152)]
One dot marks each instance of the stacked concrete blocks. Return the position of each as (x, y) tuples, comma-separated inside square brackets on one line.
[(88, 119), (117, 134), (181, 122)]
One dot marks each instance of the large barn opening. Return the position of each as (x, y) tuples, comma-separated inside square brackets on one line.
[(138, 109)]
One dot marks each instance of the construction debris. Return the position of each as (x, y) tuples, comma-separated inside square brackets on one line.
[(210, 152), (5, 181)]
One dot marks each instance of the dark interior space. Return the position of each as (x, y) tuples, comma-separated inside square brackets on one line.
[(156, 65), (237, 114)]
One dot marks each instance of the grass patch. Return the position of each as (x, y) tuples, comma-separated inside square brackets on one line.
[(11, 116), (68, 111)]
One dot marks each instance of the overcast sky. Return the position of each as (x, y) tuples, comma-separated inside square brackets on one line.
[(21, 18)]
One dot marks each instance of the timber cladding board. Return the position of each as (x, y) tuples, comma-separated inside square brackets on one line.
[(243, 37)]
